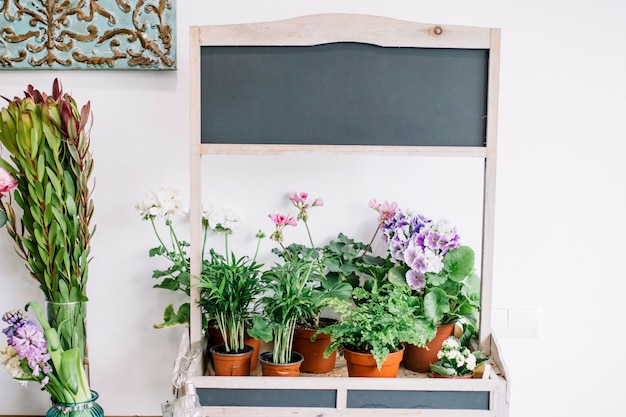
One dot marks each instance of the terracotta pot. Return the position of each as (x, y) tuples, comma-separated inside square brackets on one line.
[(231, 364), (313, 351), (364, 364), (435, 375), (269, 368), (216, 339), (419, 359)]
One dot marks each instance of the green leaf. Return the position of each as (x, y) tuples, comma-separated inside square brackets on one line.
[(168, 284), (459, 263), (438, 369), (397, 275), (172, 318), (436, 304)]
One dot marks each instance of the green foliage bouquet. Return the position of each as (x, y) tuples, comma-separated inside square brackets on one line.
[(48, 143), (50, 160)]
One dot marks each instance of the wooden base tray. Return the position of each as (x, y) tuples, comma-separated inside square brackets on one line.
[(336, 394)]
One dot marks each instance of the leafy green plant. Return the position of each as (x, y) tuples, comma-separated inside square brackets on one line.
[(229, 288), (381, 318), (431, 261), (322, 286), (48, 142), (452, 294), (287, 299), (164, 205)]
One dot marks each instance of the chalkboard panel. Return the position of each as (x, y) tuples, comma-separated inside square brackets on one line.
[(343, 94), (229, 397), (446, 400)]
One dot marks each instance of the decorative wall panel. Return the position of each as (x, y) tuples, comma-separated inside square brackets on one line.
[(88, 34)]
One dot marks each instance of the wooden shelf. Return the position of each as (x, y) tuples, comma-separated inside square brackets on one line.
[(339, 395)]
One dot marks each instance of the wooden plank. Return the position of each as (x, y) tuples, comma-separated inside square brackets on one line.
[(326, 28), (195, 159), (237, 149), (489, 198)]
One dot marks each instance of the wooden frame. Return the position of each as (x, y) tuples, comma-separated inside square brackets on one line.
[(319, 29)]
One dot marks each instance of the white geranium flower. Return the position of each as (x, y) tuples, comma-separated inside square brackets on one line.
[(164, 203), (220, 220)]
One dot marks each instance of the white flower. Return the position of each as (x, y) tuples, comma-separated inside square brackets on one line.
[(471, 362), (220, 220), (164, 203), (11, 362), (451, 343), (434, 261)]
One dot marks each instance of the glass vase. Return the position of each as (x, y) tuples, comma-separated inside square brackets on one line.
[(69, 319), (84, 409)]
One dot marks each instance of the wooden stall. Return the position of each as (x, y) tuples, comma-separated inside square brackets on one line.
[(384, 63)]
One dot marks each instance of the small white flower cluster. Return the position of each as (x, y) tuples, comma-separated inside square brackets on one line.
[(164, 203), (452, 352), (11, 362), (220, 220)]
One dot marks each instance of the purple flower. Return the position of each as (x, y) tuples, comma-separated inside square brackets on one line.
[(415, 259), (30, 344), (415, 280), (15, 319)]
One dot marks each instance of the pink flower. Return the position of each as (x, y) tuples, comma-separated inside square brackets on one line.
[(7, 182), (283, 220), (298, 197), (318, 202), (385, 210)]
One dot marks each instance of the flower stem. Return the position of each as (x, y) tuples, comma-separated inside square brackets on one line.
[(369, 245), (308, 233)]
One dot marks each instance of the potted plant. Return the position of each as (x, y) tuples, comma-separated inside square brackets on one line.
[(47, 139), (229, 287), (430, 260), (288, 298), (456, 360), (324, 287), (372, 331)]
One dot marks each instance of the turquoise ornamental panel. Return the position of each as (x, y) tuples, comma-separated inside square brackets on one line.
[(88, 34)]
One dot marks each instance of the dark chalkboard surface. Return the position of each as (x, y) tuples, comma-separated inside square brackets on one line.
[(343, 94)]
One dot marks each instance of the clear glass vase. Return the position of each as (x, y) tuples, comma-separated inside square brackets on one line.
[(70, 321), (84, 409)]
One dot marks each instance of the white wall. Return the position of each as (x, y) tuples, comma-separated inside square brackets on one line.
[(560, 175)]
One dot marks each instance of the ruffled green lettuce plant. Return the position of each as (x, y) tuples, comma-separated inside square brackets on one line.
[(47, 143), (31, 354)]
